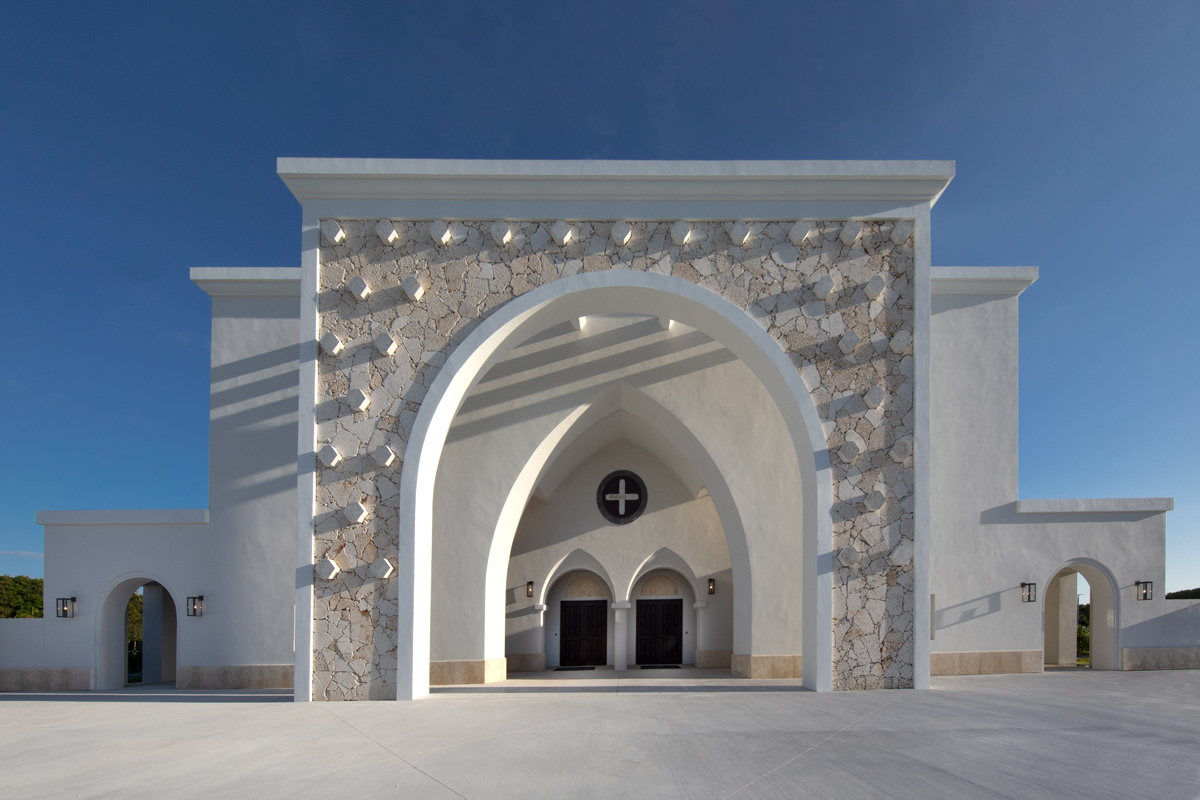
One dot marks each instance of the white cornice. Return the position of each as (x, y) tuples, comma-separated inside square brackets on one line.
[(1107, 505), (166, 516), (481, 189), (982, 280), (248, 281)]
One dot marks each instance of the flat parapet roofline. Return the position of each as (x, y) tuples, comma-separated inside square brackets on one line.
[(898, 182)]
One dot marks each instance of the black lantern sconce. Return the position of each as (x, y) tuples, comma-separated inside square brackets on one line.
[(195, 606), (529, 589), (712, 586), (64, 607), (1143, 590), (1028, 592)]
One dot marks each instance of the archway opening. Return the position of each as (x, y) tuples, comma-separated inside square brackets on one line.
[(138, 635), (1081, 618), (578, 622)]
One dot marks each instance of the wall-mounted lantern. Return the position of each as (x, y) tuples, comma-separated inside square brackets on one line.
[(64, 607), (712, 586), (1143, 590), (195, 606), (529, 589), (1028, 592)]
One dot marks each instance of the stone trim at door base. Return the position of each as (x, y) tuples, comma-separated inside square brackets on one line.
[(713, 659), (479, 670), (236, 676), (1138, 658), (45, 679), (526, 662), (985, 662), (751, 666)]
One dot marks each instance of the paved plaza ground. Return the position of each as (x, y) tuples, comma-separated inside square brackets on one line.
[(677, 734)]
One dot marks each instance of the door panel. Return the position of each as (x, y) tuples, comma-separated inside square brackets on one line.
[(583, 633), (659, 632)]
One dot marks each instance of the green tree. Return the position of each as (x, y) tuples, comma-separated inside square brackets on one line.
[(20, 597), (1185, 594), (133, 619)]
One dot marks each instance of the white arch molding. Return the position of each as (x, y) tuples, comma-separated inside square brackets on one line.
[(561, 300)]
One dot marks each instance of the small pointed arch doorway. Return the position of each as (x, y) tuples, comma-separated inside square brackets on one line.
[(155, 660), (1081, 634)]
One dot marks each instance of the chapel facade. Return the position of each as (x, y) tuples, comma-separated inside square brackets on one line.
[(518, 416)]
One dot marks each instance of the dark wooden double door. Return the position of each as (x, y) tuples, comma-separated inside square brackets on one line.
[(659, 632), (583, 633)]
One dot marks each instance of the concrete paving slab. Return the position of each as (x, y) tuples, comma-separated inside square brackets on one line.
[(1068, 734)]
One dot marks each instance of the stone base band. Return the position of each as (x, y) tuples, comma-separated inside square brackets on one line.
[(751, 666), (985, 662), (239, 676), (526, 662), (45, 679), (456, 673), (714, 659), (1138, 658)]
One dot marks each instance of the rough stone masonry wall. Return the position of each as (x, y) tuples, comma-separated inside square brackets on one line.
[(838, 300)]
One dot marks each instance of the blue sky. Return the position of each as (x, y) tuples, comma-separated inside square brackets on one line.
[(139, 139)]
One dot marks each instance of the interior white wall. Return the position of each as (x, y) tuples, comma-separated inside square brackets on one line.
[(714, 395), (552, 529), (1062, 619)]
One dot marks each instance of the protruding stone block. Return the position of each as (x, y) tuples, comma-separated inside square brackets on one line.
[(332, 231), (358, 399), (875, 287), (562, 232), (850, 232), (900, 342), (848, 452), (875, 500), (739, 232), (447, 233), (331, 344), (355, 512), (875, 396), (502, 232), (329, 455), (380, 568), (800, 232), (848, 342), (414, 287), (902, 231), (358, 287), (681, 233), (902, 449), (383, 455), (847, 556), (901, 555), (823, 287), (385, 344), (388, 233), (621, 232), (326, 569)]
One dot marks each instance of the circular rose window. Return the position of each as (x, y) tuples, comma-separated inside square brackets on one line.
[(621, 497)]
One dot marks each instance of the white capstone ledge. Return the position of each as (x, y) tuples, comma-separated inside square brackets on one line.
[(247, 281), (155, 516), (1005, 281), (1106, 505)]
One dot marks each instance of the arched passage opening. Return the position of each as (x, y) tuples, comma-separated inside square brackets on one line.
[(159, 634), (1062, 620), (653, 296)]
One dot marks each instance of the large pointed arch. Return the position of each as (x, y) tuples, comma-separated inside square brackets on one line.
[(569, 298)]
